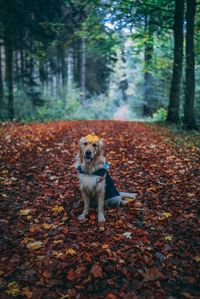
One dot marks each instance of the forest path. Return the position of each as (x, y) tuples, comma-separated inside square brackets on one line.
[(146, 249), (121, 113)]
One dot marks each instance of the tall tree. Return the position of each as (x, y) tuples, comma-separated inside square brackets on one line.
[(148, 77), (189, 117), (83, 70), (174, 98), (1, 76)]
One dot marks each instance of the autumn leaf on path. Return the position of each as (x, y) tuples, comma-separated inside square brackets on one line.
[(152, 274), (71, 275), (96, 271), (70, 251), (34, 245), (25, 212), (168, 238), (197, 259), (13, 289), (166, 215), (58, 209)]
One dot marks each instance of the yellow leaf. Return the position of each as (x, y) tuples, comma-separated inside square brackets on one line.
[(197, 259), (92, 138), (29, 217), (166, 214), (102, 228), (34, 245), (24, 212), (46, 226), (168, 238), (13, 289), (70, 251), (26, 240), (58, 209), (128, 199)]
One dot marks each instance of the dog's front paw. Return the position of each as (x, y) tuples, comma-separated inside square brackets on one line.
[(82, 216), (101, 218)]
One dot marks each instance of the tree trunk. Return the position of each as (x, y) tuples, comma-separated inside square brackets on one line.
[(1, 78), (189, 118), (70, 70), (83, 71), (9, 78), (22, 66), (148, 78), (174, 99), (63, 66)]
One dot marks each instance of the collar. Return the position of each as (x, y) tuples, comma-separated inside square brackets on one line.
[(105, 167)]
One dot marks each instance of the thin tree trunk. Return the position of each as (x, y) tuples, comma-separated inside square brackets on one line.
[(70, 71), (9, 78), (123, 84), (148, 78), (189, 118), (1, 77), (148, 81), (83, 70), (174, 98), (63, 66), (22, 66)]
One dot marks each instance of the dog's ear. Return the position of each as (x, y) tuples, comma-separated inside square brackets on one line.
[(101, 144), (79, 156), (81, 141)]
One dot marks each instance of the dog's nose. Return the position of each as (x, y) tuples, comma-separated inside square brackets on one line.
[(88, 153)]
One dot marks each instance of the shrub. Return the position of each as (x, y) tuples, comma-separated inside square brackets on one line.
[(160, 115)]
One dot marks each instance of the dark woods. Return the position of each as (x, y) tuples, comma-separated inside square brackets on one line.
[(84, 59)]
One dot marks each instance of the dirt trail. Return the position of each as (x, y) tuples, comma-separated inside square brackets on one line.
[(146, 249), (121, 113)]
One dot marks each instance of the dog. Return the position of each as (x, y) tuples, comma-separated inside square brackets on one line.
[(96, 184)]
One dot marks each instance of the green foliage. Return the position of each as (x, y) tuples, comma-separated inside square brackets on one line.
[(160, 115)]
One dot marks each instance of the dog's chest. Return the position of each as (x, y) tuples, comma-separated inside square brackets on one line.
[(88, 182)]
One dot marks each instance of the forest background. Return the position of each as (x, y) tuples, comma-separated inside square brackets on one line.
[(82, 59)]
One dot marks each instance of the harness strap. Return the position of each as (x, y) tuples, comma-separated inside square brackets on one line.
[(101, 178)]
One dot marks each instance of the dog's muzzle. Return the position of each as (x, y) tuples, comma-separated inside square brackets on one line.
[(88, 156)]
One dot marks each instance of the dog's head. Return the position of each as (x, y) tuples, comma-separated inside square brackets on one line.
[(91, 147)]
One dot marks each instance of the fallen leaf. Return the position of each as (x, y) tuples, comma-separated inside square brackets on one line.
[(13, 289), (96, 271), (58, 209), (34, 245), (168, 238), (127, 235), (24, 212), (196, 259), (166, 214), (71, 275), (70, 251), (152, 274)]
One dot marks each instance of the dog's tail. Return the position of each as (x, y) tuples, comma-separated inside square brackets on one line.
[(126, 194)]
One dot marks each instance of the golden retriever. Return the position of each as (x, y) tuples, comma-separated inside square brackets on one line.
[(96, 185)]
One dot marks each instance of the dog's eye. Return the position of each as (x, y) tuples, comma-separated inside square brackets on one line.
[(94, 144), (85, 143)]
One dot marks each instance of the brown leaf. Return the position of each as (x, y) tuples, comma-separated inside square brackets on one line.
[(111, 296), (152, 274), (96, 271), (71, 275)]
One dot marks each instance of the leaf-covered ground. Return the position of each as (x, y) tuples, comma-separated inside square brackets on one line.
[(146, 249)]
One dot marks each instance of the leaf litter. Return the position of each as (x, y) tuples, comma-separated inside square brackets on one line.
[(146, 249)]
